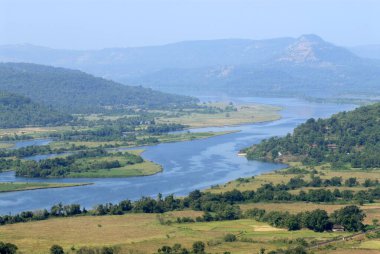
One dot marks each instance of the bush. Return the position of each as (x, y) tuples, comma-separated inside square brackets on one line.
[(7, 248), (230, 238), (56, 249)]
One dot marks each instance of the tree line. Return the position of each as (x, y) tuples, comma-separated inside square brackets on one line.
[(62, 166), (347, 138), (221, 206)]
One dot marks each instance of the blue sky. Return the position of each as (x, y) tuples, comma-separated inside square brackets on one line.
[(93, 24)]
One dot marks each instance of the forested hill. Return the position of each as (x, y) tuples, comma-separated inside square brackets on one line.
[(19, 111), (76, 92), (346, 139)]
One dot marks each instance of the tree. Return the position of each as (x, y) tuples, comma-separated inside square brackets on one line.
[(350, 217), (56, 249), (198, 247), (7, 248), (318, 220), (293, 223), (230, 238)]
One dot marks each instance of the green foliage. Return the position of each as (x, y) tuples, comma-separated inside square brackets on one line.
[(230, 238), (56, 249), (77, 92), (18, 111), (346, 138), (175, 249), (350, 217), (82, 161), (94, 250), (7, 248), (199, 247)]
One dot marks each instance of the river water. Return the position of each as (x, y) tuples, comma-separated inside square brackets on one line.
[(187, 165)]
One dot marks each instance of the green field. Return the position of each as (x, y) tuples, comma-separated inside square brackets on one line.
[(21, 186), (140, 169)]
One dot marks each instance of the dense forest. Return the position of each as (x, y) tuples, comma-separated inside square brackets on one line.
[(18, 111), (77, 92), (345, 139)]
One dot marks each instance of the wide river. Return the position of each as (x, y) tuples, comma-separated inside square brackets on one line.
[(187, 165)]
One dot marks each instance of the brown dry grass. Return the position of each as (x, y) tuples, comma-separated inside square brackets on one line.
[(144, 233)]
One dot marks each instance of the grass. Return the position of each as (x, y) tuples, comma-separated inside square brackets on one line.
[(371, 244), (144, 233), (279, 176), (139, 169), (5, 145), (245, 114), (21, 186), (35, 132)]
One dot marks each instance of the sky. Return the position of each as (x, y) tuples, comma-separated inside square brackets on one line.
[(95, 24)]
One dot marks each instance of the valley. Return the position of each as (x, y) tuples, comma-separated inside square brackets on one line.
[(179, 158), (189, 127)]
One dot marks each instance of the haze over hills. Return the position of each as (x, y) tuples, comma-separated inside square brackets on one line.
[(368, 51), (304, 66), (77, 92)]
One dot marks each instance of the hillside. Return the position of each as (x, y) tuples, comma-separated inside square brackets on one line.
[(19, 111), (76, 92), (304, 66), (346, 139)]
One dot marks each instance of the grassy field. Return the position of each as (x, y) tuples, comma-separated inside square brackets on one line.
[(280, 176), (244, 114), (21, 186), (140, 169), (142, 233), (35, 132)]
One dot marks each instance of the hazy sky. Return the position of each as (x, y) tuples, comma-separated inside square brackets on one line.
[(91, 24)]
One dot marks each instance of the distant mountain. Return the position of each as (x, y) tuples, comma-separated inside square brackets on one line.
[(304, 66), (121, 63), (367, 51), (19, 111), (307, 67), (313, 49), (76, 92)]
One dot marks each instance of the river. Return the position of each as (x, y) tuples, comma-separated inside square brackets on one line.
[(188, 165)]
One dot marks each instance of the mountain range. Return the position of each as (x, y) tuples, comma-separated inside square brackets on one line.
[(303, 66)]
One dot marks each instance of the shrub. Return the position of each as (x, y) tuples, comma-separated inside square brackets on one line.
[(230, 238)]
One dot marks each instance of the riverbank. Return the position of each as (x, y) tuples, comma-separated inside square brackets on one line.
[(188, 165), (25, 186), (238, 115)]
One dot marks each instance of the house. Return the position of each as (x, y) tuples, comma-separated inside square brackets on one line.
[(338, 228)]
